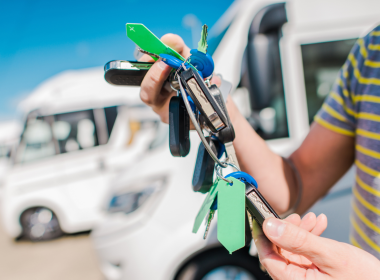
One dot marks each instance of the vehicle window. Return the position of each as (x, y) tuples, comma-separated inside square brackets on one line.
[(36, 142), (321, 64), (4, 151), (75, 131), (260, 94), (111, 114)]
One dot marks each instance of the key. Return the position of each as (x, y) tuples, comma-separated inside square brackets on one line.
[(209, 220), (256, 204), (204, 101), (202, 44), (203, 175), (206, 206), (179, 127), (227, 135), (210, 216), (149, 42)]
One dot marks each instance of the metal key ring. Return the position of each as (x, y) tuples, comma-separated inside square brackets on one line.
[(197, 127), (220, 175)]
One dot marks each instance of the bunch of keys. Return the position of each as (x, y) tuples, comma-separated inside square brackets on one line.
[(235, 196)]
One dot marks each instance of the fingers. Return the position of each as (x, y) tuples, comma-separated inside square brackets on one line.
[(268, 254), (299, 241), (152, 92), (176, 43), (294, 219), (151, 89), (321, 225), (308, 221), (215, 80), (146, 58), (275, 264)]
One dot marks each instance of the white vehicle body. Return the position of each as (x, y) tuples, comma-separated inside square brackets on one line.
[(155, 241), (70, 148), (9, 135)]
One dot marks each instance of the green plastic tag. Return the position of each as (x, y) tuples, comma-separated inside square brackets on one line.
[(149, 42), (231, 214), (211, 195)]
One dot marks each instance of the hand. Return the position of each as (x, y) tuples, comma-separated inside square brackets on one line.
[(292, 249), (154, 92)]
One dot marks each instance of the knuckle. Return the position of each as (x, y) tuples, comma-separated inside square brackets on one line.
[(155, 78), (299, 238), (145, 98)]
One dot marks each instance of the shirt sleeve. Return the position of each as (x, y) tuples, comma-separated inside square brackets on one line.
[(338, 112)]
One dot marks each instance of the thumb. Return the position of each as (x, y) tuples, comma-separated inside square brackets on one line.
[(299, 241)]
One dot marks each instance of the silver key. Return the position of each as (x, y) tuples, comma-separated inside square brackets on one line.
[(209, 220), (231, 154)]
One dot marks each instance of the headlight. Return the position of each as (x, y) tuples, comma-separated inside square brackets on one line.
[(135, 196)]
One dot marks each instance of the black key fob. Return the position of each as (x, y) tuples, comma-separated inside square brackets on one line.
[(257, 206), (126, 73), (204, 167), (179, 127), (227, 134)]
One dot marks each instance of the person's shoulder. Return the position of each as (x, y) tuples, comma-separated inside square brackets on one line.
[(373, 37)]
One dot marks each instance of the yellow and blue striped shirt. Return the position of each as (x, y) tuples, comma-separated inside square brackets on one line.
[(353, 109)]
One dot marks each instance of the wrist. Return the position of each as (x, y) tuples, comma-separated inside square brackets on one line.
[(233, 111)]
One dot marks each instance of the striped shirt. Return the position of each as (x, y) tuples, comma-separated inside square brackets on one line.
[(353, 108)]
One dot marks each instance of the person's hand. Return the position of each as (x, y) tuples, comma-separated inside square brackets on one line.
[(293, 250), (154, 91)]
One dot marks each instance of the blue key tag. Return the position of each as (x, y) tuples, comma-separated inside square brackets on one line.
[(207, 203), (231, 214)]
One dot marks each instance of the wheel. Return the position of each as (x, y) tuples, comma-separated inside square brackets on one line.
[(40, 224), (218, 264)]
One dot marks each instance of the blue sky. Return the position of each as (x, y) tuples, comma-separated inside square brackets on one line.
[(42, 38)]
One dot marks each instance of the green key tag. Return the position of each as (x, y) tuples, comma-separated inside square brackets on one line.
[(231, 214), (211, 195), (149, 42)]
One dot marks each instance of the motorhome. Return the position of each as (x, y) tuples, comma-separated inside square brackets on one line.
[(79, 132), (282, 59)]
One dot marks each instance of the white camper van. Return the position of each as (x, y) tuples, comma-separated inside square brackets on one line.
[(282, 59), (79, 132)]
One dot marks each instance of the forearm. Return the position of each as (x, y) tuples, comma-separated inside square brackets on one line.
[(274, 176)]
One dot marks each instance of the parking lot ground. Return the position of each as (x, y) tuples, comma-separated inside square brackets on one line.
[(70, 257)]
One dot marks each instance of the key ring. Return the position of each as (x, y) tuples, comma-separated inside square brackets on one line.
[(197, 127), (220, 175)]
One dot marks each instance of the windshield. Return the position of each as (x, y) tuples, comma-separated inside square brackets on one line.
[(36, 142)]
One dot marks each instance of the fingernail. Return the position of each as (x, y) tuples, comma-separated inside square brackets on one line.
[(162, 65), (275, 227)]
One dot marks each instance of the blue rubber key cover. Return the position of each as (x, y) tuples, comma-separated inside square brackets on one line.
[(240, 175), (172, 61), (203, 62)]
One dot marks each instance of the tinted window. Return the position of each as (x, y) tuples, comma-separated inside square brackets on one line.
[(321, 64), (75, 131), (111, 114)]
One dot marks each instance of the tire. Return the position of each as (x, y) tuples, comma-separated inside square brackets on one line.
[(219, 264), (40, 224)]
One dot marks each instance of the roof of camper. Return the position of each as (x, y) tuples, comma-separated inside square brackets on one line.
[(74, 90)]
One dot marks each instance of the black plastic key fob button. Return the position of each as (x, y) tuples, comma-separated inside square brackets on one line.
[(204, 167), (179, 127)]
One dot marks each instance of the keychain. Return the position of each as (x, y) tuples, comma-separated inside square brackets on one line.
[(235, 195)]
